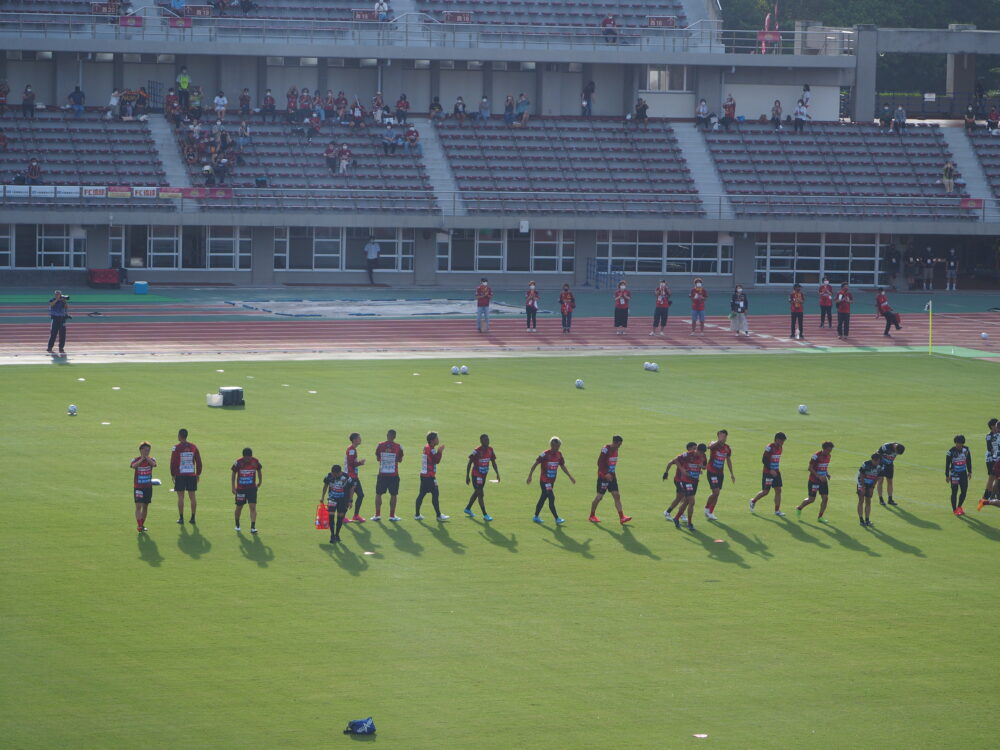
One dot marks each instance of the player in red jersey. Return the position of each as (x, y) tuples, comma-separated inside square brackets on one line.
[(797, 306), (720, 456), (771, 478), (826, 303), (567, 304), (622, 298), (429, 460), (351, 464), (688, 468), (247, 476), (389, 455), (479, 464), (819, 481), (185, 468), (142, 484), (698, 295), (661, 311), (884, 309), (551, 461), (607, 480)]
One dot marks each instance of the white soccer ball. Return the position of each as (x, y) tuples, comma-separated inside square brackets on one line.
[(579, 383), (72, 410), (454, 370), (645, 365), (654, 367), (464, 370), (984, 335), (155, 482), (803, 409)]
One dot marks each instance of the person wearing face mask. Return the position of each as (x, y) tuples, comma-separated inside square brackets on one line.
[(622, 298), (739, 305), (826, 303), (567, 303), (662, 308), (698, 294), (531, 298)]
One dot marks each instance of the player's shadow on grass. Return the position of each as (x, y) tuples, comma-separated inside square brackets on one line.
[(895, 543), (192, 543), (439, 531), (568, 543), (493, 536), (795, 529), (755, 546), (912, 519), (721, 552), (401, 538), (363, 536), (254, 549), (628, 541), (846, 540), (149, 553), (345, 558), (990, 532)]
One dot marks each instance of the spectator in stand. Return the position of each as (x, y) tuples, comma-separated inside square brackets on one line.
[(728, 112), (800, 115), (292, 104), (141, 101), (382, 9), (183, 82), (218, 129), (209, 175), (885, 117), (243, 138), (776, 115), (389, 140), (190, 154), (172, 108), (329, 105), (114, 102), (484, 108), (268, 107), (245, 101), (33, 174), (357, 116), (413, 144), (28, 102), (948, 177), (951, 271), (458, 112), (701, 116), (641, 113), (177, 6), (993, 120), (899, 120), (247, 6), (314, 127), (970, 119), (377, 104), (305, 102), (436, 111), (402, 109), (806, 96), (126, 108), (341, 106), (222, 171), (4, 93), (330, 155), (587, 99), (521, 111), (220, 102), (508, 111), (196, 109), (609, 27), (3, 141), (344, 158), (928, 270), (76, 99), (698, 295)]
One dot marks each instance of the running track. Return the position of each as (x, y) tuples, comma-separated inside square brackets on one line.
[(96, 339)]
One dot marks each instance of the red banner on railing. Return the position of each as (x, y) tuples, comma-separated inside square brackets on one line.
[(171, 192), (972, 202), (661, 22), (451, 16), (145, 192), (133, 21), (119, 191), (771, 37), (180, 23)]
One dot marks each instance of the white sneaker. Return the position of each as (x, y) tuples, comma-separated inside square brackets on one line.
[(751, 506), (708, 514), (652, 333), (684, 519), (237, 528), (418, 518), (712, 517), (443, 517), (375, 518), (660, 333), (395, 518), (666, 514), (779, 513)]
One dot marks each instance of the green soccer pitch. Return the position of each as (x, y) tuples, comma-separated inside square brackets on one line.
[(756, 631)]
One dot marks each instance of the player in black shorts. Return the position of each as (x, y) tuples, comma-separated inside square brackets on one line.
[(992, 459), (887, 456), (337, 489), (142, 486), (479, 467), (247, 475)]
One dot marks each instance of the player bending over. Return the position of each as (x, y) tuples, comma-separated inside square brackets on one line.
[(337, 488), (868, 474), (607, 480), (479, 465), (551, 462), (887, 456), (819, 481)]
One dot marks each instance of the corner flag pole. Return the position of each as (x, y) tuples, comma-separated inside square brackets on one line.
[(929, 309)]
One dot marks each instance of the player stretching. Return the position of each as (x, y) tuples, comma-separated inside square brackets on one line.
[(958, 472), (720, 455), (479, 464), (607, 480), (771, 478), (688, 467), (868, 474), (337, 488), (185, 468), (142, 485), (351, 464), (551, 461), (247, 477), (429, 460), (819, 481), (992, 463), (389, 455), (888, 453)]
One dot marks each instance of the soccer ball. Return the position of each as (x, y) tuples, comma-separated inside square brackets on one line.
[(579, 383), (464, 370), (984, 335), (72, 410), (803, 409), (653, 367), (646, 365), (454, 370)]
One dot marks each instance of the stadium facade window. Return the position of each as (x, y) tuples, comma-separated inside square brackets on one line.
[(539, 251), (229, 247), (116, 246), (783, 258), (163, 245), (340, 248), (553, 250), (60, 246), (703, 253), (667, 78), (6, 245)]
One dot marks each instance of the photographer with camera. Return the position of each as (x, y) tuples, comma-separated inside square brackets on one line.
[(59, 312)]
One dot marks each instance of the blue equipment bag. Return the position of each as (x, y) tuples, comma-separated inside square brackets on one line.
[(360, 726)]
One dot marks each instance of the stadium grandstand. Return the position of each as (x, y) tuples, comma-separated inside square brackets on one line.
[(262, 142)]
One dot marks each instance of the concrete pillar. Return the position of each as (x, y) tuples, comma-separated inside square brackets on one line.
[(536, 103), (435, 84), (961, 72), (586, 248), (708, 86), (629, 86), (262, 255), (118, 71), (261, 77), (323, 76), (98, 246), (863, 105), (488, 86), (744, 252), (425, 257)]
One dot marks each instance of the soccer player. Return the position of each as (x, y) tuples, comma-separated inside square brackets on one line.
[(797, 305), (551, 461), (771, 478), (429, 460), (992, 463), (720, 456), (888, 453), (868, 474), (185, 468), (247, 476), (142, 484), (662, 309), (479, 464), (337, 489), (607, 480), (389, 454), (958, 472), (844, 300), (351, 464), (622, 298), (994, 501), (698, 294), (826, 303), (819, 481), (688, 467)]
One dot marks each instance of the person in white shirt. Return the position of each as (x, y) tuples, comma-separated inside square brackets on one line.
[(382, 8), (800, 116), (221, 102), (371, 258)]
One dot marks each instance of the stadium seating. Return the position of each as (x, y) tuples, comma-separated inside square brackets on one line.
[(555, 12), (289, 164), (987, 148), (855, 168), (582, 163), (82, 7)]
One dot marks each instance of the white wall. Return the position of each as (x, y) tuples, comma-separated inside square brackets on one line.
[(20, 73), (467, 84), (608, 97), (416, 84), (675, 104)]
